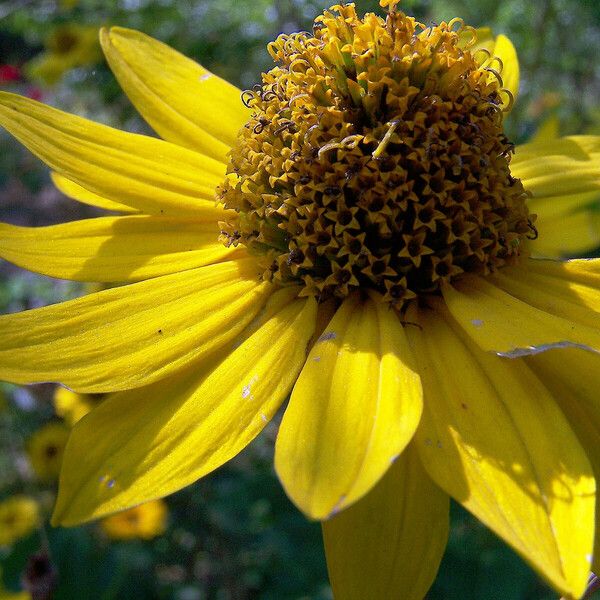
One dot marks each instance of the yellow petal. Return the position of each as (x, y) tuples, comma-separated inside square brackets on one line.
[(145, 173), (499, 47), (182, 101), (550, 207), (568, 165), (493, 438), (547, 131), (130, 336), (567, 235), (574, 378), (569, 290), (512, 315), (390, 543), (146, 443), (353, 410), (506, 52), (75, 191), (111, 249)]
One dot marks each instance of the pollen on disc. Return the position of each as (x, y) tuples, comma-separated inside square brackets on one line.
[(375, 158)]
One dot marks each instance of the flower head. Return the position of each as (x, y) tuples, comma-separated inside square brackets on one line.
[(369, 252), (66, 47), (375, 158), (45, 450), (145, 521), (19, 516)]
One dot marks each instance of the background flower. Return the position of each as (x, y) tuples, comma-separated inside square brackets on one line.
[(19, 516), (45, 449), (145, 521)]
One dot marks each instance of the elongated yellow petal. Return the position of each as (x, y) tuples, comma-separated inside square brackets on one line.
[(390, 543), (130, 336), (567, 235), (557, 206), (150, 442), (111, 249), (506, 52), (511, 315), (145, 173), (574, 378), (568, 165), (181, 100), (498, 53), (75, 191), (493, 438), (569, 289), (354, 408), (549, 130)]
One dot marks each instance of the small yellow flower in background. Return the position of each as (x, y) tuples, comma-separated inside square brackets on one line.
[(19, 516), (71, 406), (145, 521), (68, 46), (45, 449), (369, 253)]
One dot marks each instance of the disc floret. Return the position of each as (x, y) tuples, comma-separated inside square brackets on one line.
[(375, 157)]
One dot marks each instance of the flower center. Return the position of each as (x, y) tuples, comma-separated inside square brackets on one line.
[(375, 157)]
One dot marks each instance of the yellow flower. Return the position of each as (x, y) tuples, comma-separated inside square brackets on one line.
[(374, 262), (68, 46), (19, 516), (570, 226), (145, 521), (45, 449), (72, 406)]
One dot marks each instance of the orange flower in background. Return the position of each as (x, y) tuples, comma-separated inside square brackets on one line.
[(145, 521)]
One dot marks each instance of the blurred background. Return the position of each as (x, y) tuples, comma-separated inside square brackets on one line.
[(233, 535)]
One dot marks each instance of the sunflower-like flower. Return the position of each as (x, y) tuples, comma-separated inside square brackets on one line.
[(19, 516), (570, 226), (45, 449), (145, 521), (372, 258), (66, 47)]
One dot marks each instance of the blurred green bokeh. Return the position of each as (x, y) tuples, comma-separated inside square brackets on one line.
[(234, 535)]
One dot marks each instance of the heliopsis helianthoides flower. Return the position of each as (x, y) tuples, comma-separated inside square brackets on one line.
[(19, 516), (145, 521), (45, 449), (372, 258), (66, 47), (570, 226)]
